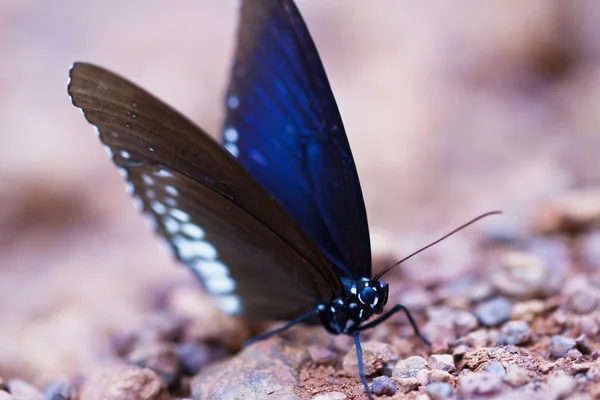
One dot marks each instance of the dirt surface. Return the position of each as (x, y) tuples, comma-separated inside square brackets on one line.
[(449, 113)]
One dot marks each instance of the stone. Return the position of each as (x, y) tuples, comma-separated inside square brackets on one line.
[(493, 312), (444, 362), (438, 390), (21, 390), (560, 386), (516, 376), (561, 345), (583, 344), (59, 391), (514, 332), (528, 310), (162, 358), (322, 355), (375, 356), (577, 368), (330, 396), (573, 212), (406, 385), (268, 368), (124, 382), (582, 301), (437, 375), (522, 276), (383, 386), (481, 383), (495, 367), (194, 356), (409, 367)]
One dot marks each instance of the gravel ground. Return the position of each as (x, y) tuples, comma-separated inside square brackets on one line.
[(449, 115)]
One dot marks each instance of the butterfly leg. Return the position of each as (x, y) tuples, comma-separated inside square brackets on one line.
[(361, 370), (389, 313), (283, 328)]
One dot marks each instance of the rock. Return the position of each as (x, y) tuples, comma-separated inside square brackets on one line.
[(161, 358), (516, 376), (437, 375), (483, 383), (561, 345), (406, 385), (438, 390), (21, 390), (496, 368), (573, 212), (460, 350), (383, 386), (560, 386), (583, 344), (195, 356), (477, 339), (409, 367), (577, 368), (59, 391), (464, 322), (514, 332), (416, 299), (582, 301), (375, 356), (322, 355), (330, 396), (493, 312), (574, 354), (528, 310), (444, 362), (124, 382), (268, 368), (523, 276)]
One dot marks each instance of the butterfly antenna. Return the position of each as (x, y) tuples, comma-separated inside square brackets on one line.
[(487, 214)]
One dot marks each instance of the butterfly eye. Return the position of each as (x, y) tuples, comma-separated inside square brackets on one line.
[(367, 295)]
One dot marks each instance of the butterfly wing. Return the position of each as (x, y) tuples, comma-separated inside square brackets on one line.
[(245, 247), (284, 127)]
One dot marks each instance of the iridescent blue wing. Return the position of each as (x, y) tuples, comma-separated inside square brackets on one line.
[(284, 127), (250, 254)]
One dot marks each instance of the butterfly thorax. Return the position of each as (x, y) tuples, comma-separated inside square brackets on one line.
[(361, 300)]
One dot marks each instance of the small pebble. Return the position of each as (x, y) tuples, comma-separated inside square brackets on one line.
[(574, 354), (409, 367), (582, 302), (58, 391), (330, 396), (162, 358), (383, 386), (438, 390), (493, 312), (561, 345), (496, 368), (375, 356), (528, 310), (193, 357), (460, 350), (514, 332), (572, 212), (583, 344), (408, 384), (119, 382), (516, 376), (577, 368), (472, 383), (437, 375), (322, 355), (478, 339), (560, 386), (422, 397), (19, 389), (464, 322), (522, 276), (444, 362)]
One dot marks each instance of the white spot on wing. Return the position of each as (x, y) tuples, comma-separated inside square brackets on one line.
[(192, 230), (171, 190), (138, 204), (108, 151), (208, 269), (171, 225), (147, 180), (125, 154), (179, 214), (158, 207), (171, 201), (123, 172), (222, 285), (232, 148), (163, 173), (233, 102), (230, 304), (231, 134), (129, 188), (189, 249)]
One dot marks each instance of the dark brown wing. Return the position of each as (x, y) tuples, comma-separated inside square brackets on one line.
[(219, 220)]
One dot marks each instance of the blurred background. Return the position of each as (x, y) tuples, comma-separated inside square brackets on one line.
[(452, 109)]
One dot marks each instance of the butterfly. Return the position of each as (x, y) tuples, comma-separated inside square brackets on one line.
[(272, 220)]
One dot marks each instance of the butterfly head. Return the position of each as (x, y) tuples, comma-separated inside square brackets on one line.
[(360, 301)]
